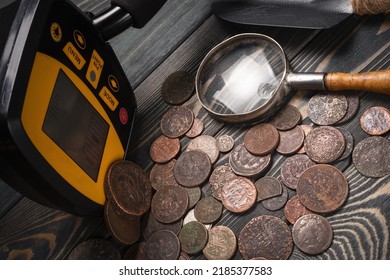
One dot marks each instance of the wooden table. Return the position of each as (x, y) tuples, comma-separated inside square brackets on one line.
[(177, 39)]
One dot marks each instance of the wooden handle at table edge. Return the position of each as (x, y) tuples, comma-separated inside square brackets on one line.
[(370, 7), (377, 81)]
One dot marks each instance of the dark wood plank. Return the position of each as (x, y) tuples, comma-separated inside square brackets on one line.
[(8, 198)]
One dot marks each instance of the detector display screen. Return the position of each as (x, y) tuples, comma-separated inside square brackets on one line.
[(75, 126)]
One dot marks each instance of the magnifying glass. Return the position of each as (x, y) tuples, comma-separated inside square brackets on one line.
[(247, 78)]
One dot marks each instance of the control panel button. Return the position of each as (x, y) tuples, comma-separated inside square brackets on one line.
[(79, 39), (95, 69), (56, 32), (108, 98), (113, 83), (74, 55), (123, 116)]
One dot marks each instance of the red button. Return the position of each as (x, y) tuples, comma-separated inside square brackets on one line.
[(123, 116)]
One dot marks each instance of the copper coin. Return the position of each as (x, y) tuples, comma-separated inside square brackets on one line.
[(327, 108), (291, 141), (184, 257), (192, 168), (222, 244), (206, 144), (208, 210), (268, 187), (292, 168), (123, 230), (239, 195), (371, 157), (162, 245), (349, 143), (277, 202), (163, 149), (312, 234), (177, 121), (294, 209), (128, 189), (324, 144), (190, 217), (286, 118), (353, 102), (135, 252), (169, 204), (149, 224), (162, 175), (306, 129), (261, 139), (246, 164), (95, 249), (193, 237), (220, 177), (267, 237), (196, 128), (194, 195), (322, 188), (225, 143), (177, 88), (375, 120)]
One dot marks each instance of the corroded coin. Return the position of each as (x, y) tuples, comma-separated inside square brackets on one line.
[(220, 177), (327, 108), (162, 175), (353, 107), (286, 118), (177, 121), (246, 164), (225, 143), (222, 244), (292, 168), (162, 245), (191, 217), (268, 187), (184, 256), (371, 157), (322, 188), (267, 237), (306, 129), (169, 204), (324, 144), (294, 209), (194, 195), (95, 249), (277, 202), (192, 168), (196, 128), (128, 189), (193, 237), (291, 141), (135, 252), (239, 195), (164, 149), (312, 234), (349, 143), (208, 210), (375, 120), (177, 88), (149, 224), (261, 139), (206, 144)]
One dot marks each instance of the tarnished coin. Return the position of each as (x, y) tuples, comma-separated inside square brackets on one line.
[(353, 107), (208, 210), (220, 177), (222, 244), (225, 143), (162, 175), (194, 195), (162, 245), (135, 252), (193, 237), (192, 168), (206, 144), (239, 195), (292, 168), (327, 108), (286, 118), (371, 157), (312, 234), (169, 204), (128, 189), (291, 141), (324, 144), (306, 129), (246, 164), (267, 237), (191, 217), (95, 249), (375, 120), (268, 187), (261, 139), (322, 188), (184, 257), (294, 209), (164, 149), (123, 230), (177, 121), (196, 128), (277, 202), (149, 224), (349, 143), (177, 88)]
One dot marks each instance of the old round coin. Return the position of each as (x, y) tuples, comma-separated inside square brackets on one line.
[(177, 121), (164, 149), (291, 141), (375, 120), (371, 157), (206, 144), (244, 163), (208, 210), (322, 188), (149, 224), (312, 234), (292, 168), (353, 102), (261, 139), (239, 195), (277, 202), (194, 195), (327, 108), (193, 237), (191, 217), (294, 209), (95, 249), (196, 128), (220, 177), (177, 88), (162, 245), (265, 236), (225, 143), (349, 143), (222, 244), (268, 187), (286, 118), (162, 175), (306, 129)]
